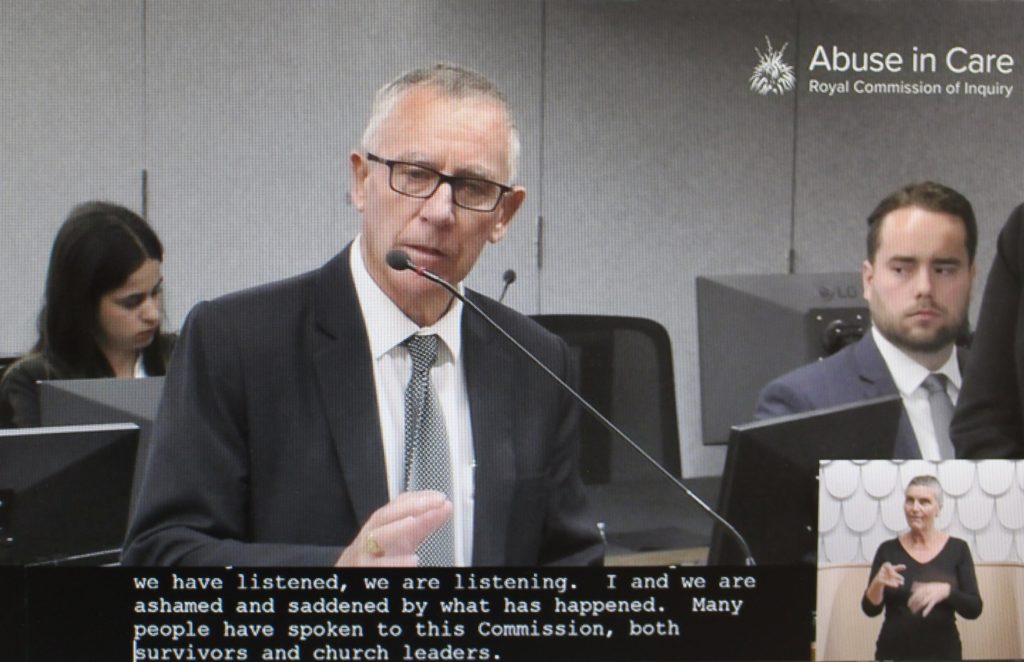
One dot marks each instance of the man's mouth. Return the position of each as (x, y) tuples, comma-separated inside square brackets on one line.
[(925, 313), (422, 251)]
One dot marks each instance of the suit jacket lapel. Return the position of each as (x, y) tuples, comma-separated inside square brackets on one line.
[(877, 381), (344, 372), (489, 370), (873, 372)]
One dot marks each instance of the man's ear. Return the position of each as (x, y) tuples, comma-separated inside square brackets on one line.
[(509, 205), (867, 277), (360, 170)]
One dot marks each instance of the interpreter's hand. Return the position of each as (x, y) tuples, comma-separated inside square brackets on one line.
[(925, 595), (394, 531), (890, 575)]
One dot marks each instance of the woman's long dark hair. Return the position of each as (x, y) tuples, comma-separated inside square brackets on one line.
[(97, 248)]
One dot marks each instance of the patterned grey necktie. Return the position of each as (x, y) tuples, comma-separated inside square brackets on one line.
[(427, 465), (942, 412)]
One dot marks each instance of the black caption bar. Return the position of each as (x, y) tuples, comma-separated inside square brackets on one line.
[(220, 614)]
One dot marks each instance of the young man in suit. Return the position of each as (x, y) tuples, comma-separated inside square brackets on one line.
[(917, 281), (290, 432)]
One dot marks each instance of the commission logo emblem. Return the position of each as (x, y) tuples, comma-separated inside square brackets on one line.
[(772, 75)]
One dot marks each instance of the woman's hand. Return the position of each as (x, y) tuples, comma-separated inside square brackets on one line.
[(891, 575), (925, 595), (888, 576)]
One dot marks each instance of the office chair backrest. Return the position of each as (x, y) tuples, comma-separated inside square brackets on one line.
[(625, 366), (6, 362)]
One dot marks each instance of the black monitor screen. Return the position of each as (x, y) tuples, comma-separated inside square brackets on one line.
[(64, 492), (770, 485), (106, 400)]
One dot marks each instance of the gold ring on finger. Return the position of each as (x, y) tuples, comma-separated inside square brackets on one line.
[(373, 548)]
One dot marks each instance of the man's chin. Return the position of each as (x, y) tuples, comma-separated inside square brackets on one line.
[(411, 283), (925, 343)]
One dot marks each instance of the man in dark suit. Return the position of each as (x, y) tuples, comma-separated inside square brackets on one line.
[(917, 281), (285, 433)]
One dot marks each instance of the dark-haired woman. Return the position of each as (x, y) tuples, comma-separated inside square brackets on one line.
[(102, 311)]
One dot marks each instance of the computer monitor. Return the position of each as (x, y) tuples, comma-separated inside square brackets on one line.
[(65, 491), (753, 328), (770, 486), (107, 400), (82, 401)]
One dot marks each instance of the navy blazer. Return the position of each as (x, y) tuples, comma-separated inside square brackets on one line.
[(856, 373), (267, 446)]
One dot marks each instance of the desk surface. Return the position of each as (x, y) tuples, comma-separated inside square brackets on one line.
[(665, 557), (652, 522)]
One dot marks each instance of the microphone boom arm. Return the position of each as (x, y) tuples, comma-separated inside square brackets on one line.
[(611, 427)]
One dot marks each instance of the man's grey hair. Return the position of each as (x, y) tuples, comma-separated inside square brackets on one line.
[(452, 81), (928, 481)]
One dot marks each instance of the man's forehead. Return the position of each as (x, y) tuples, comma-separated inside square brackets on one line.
[(921, 215), (424, 119), (910, 224), (465, 167)]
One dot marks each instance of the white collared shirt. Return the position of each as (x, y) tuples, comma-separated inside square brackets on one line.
[(909, 376), (387, 328)]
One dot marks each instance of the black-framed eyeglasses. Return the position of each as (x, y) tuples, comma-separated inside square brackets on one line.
[(418, 181)]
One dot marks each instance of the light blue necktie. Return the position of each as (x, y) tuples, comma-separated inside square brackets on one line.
[(942, 412)]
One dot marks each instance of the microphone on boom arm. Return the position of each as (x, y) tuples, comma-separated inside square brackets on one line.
[(400, 261), (509, 277)]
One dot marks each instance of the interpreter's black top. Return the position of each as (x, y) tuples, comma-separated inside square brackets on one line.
[(909, 636)]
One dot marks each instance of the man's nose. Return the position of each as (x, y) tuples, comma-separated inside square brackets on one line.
[(924, 281), (440, 206)]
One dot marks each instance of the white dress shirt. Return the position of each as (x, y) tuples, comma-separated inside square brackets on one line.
[(387, 328), (909, 376)]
